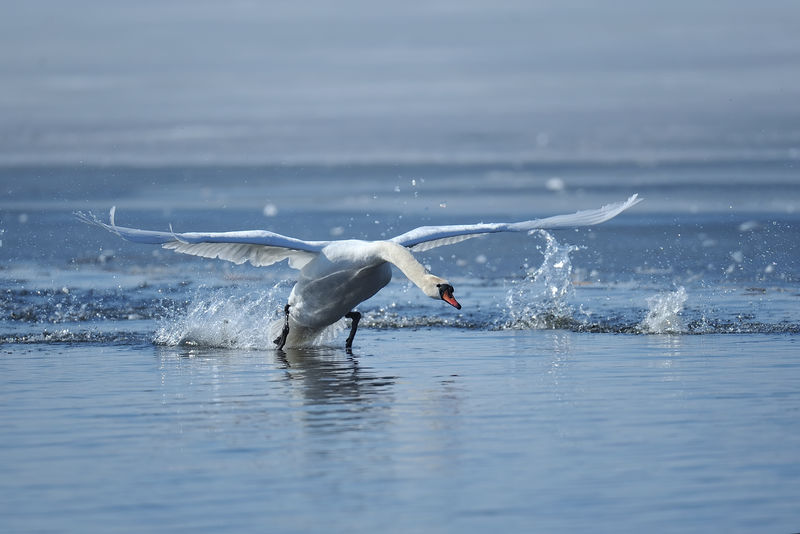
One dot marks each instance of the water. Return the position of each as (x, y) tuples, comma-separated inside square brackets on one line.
[(665, 433), (638, 376), (361, 82)]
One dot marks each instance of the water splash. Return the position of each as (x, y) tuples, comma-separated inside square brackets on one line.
[(540, 300), (225, 319), (240, 318), (663, 313)]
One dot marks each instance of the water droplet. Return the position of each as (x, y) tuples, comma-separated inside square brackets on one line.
[(555, 184), (749, 226), (270, 210)]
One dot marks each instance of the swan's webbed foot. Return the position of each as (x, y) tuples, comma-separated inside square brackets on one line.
[(281, 341), (355, 317)]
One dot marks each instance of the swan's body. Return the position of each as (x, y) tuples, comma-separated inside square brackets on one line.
[(345, 274), (336, 276)]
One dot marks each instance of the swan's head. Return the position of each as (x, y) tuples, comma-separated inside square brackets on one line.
[(446, 294), (439, 289)]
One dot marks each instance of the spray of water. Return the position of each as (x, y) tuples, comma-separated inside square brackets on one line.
[(663, 313), (540, 299), (243, 318), (222, 318)]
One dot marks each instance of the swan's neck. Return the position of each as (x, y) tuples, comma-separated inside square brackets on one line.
[(402, 258)]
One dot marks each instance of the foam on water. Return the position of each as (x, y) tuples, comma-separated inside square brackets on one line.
[(73, 336), (60, 306), (663, 314)]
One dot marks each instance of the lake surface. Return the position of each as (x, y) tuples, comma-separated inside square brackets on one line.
[(637, 376), (532, 430)]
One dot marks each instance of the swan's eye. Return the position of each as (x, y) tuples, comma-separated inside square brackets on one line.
[(445, 289)]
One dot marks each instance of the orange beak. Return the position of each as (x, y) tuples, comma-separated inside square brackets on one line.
[(447, 296)]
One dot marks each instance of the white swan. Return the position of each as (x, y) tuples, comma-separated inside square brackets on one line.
[(335, 276)]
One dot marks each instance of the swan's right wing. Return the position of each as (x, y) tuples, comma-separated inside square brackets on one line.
[(259, 247), (428, 237)]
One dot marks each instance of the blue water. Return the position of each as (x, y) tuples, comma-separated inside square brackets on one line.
[(429, 430), (637, 376)]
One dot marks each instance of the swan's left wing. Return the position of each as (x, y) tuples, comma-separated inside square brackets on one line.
[(259, 247), (428, 237)]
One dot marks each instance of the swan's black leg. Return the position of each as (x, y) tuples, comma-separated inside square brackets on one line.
[(355, 317), (281, 341)]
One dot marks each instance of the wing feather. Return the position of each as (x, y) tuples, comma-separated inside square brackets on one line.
[(427, 245), (428, 237), (259, 247)]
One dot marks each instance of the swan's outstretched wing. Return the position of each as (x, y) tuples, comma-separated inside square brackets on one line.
[(259, 247), (428, 237)]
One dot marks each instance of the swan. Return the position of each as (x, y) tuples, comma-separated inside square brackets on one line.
[(336, 276)]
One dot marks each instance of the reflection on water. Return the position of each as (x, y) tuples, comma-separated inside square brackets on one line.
[(330, 389), (667, 348), (522, 430), (338, 392), (331, 376)]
